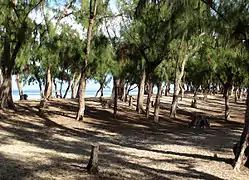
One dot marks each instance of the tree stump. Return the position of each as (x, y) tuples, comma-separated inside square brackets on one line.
[(130, 101), (199, 121), (92, 166)]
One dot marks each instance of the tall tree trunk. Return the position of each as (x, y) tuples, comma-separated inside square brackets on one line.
[(227, 108), (243, 144), (61, 83), (56, 90), (150, 92), (7, 65), (68, 87), (182, 90), (157, 103), (82, 86), (140, 97), (240, 92), (115, 107), (235, 94), (48, 86), (74, 86), (176, 92), (121, 90), (126, 92), (19, 86)]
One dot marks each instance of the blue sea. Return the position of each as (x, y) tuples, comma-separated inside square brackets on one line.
[(35, 94)]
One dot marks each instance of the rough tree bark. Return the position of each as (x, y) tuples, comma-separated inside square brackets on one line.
[(240, 151), (140, 97), (150, 91), (82, 86), (48, 86), (157, 103), (19, 86)]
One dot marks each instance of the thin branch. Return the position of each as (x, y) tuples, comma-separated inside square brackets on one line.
[(65, 11)]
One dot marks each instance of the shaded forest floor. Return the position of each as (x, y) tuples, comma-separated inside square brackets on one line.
[(55, 146)]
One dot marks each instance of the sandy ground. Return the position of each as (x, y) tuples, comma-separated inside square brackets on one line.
[(55, 146)]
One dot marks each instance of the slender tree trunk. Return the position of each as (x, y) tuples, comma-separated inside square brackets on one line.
[(48, 92), (126, 92), (140, 97), (235, 94), (74, 86), (99, 90), (82, 87), (175, 95), (194, 102), (1, 77), (150, 92), (68, 87), (182, 90), (240, 92), (243, 144), (227, 108), (40, 87), (157, 103), (115, 107), (61, 83), (56, 90), (19, 86)]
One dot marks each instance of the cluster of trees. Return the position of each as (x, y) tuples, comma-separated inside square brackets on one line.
[(201, 44)]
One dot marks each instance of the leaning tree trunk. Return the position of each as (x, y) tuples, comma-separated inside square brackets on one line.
[(68, 87), (19, 86), (99, 90), (150, 92), (82, 86), (140, 97), (157, 103), (243, 144)]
